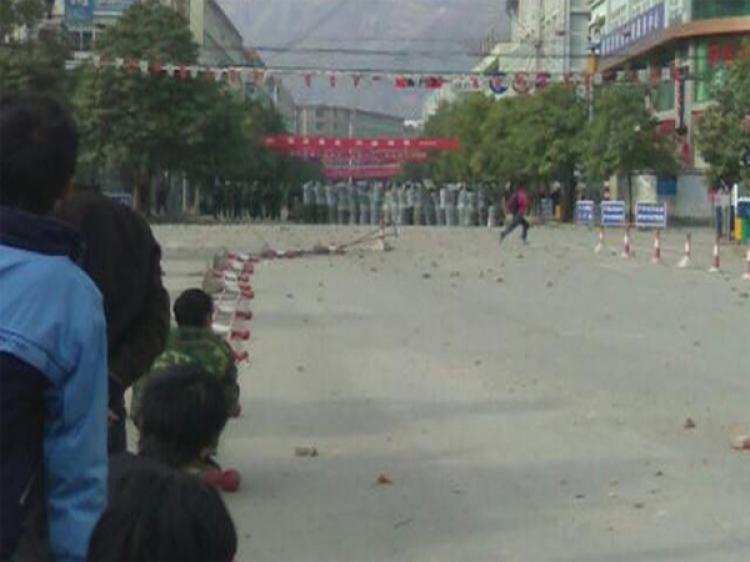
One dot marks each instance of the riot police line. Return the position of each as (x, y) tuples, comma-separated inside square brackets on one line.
[(401, 204)]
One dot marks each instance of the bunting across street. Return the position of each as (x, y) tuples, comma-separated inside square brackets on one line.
[(498, 83)]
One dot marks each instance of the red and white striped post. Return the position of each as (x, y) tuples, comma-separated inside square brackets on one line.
[(746, 276), (685, 261), (381, 236), (627, 250), (656, 259), (600, 244), (716, 263)]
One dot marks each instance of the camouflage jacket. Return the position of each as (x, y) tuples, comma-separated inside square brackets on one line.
[(196, 346)]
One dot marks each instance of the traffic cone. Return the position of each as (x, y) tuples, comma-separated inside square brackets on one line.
[(382, 245), (657, 248), (600, 244), (746, 276), (715, 265), (685, 261), (626, 251)]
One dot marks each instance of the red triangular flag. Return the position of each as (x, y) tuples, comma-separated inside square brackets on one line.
[(332, 80)]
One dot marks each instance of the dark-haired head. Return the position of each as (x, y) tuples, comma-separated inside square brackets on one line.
[(163, 516), (193, 308), (38, 152), (182, 412)]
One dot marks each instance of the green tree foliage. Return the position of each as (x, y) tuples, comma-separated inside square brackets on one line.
[(142, 123), (32, 59), (149, 123), (524, 138), (722, 138), (547, 137), (622, 138), (19, 15)]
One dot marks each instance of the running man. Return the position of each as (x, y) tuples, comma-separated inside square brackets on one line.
[(518, 206)]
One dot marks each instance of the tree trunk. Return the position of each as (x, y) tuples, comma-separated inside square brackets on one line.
[(568, 200), (630, 198)]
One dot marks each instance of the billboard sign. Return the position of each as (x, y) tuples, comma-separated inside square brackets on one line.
[(79, 12), (613, 213), (112, 7), (651, 215), (643, 26), (585, 213)]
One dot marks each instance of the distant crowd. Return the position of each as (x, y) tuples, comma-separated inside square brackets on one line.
[(84, 316)]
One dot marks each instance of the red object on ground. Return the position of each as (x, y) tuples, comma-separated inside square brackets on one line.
[(245, 314), (241, 356), (240, 335), (249, 295), (225, 480)]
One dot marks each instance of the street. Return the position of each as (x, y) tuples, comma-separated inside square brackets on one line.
[(472, 402)]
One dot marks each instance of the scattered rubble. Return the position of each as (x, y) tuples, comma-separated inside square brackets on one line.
[(308, 452)]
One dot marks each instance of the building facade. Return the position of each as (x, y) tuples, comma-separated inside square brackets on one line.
[(219, 40), (549, 36), (332, 121), (695, 38)]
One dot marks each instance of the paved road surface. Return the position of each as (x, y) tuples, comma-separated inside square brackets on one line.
[(527, 402)]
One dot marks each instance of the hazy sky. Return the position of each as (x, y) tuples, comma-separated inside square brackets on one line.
[(430, 35)]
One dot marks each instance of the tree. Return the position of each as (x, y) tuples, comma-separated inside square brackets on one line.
[(141, 123), (722, 139), (19, 15), (32, 58), (622, 138)]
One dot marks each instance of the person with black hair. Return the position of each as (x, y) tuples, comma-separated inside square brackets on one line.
[(181, 416), (161, 515), (124, 260), (53, 346), (193, 342)]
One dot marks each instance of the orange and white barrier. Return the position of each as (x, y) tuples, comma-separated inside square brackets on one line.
[(746, 275), (685, 261), (716, 262), (600, 244), (627, 251), (656, 259)]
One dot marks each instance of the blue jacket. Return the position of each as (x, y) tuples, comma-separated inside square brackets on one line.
[(53, 358)]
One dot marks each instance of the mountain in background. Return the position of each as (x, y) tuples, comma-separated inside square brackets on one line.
[(429, 35)]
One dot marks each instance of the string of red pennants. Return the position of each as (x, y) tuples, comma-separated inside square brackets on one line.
[(498, 83)]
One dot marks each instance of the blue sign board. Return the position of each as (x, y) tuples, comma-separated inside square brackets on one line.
[(643, 26), (651, 215), (113, 7), (79, 12), (613, 213), (585, 212)]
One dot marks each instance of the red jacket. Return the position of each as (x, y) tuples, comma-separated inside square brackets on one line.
[(519, 203)]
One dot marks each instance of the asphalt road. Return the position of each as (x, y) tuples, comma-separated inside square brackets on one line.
[(525, 403)]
